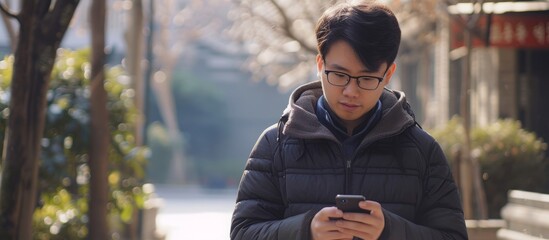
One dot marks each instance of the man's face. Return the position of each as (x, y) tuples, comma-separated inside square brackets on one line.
[(350, 102)]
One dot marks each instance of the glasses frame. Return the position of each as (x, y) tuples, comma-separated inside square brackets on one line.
[(349, 77)]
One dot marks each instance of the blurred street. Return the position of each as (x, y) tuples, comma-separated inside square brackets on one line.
[(195, 213)]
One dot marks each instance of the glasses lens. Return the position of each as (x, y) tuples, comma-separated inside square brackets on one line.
[(338, 79), (369, 83)]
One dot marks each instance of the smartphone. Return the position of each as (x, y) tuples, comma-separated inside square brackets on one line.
[(349, 203)]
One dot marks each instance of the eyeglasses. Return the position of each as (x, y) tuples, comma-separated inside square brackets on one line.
[(342, 79)]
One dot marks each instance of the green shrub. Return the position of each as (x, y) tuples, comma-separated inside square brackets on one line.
[(64, 174), (509, 157)]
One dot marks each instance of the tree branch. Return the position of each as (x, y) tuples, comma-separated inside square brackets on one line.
[(287, 27), (7, 12), (468, 21), (12, 33), (308, 11), (42, 7), (474, 17), (59, 17)]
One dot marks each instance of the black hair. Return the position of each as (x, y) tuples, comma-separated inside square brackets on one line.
[(370, 28)]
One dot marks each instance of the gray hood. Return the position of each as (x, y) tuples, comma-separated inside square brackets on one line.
[(303, 123)]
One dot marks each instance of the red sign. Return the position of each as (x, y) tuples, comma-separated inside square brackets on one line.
[(508, 31)]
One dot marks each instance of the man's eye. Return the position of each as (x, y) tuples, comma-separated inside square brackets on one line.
[(340, 74)]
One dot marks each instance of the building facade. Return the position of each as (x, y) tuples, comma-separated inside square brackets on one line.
[(508, 70)]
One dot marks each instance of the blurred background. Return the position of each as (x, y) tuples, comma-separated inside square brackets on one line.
[(191, 84)]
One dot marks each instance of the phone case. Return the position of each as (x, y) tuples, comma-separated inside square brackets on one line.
[(349, 203)]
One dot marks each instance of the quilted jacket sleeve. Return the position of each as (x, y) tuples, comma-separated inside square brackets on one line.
[(440, 215), (259, 210)]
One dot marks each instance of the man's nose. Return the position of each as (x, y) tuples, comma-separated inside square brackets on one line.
[(351, 89)]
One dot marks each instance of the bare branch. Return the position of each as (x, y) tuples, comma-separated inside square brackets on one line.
[(4, 9), (59, 17), (281, 38), (288, 28), (473, 19), (12, 33), (307, 12), (468, 21)]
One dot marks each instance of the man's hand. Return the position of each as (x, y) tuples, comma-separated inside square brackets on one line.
[(362, 225), (324, 228)]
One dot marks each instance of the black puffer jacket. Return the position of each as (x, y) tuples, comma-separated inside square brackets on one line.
[(286, 182)]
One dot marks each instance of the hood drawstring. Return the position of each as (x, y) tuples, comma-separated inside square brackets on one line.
[(278, 147), (280, 125)]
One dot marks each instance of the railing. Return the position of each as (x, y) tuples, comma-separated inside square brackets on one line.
[(526, 215)]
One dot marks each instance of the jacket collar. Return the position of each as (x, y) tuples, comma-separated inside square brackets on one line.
[(330, 120), (303, 122)]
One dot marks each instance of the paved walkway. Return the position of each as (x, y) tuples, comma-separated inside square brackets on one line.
[(193, 213)]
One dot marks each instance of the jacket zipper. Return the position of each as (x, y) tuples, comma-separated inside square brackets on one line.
[(348, 176)]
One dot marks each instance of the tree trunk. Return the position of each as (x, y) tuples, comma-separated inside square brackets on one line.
[(161, 85), (41, 30), (465, 111), (474, 196), (134, 59), (470, 181), (100, 141), (134, 38), (149, 55)]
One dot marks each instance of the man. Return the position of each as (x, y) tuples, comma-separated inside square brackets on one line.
[(348, 134)]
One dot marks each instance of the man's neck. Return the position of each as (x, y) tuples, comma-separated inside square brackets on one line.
[(344, 129)]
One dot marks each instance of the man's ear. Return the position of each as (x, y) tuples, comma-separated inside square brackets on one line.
[(389, 74), (319, 64)]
